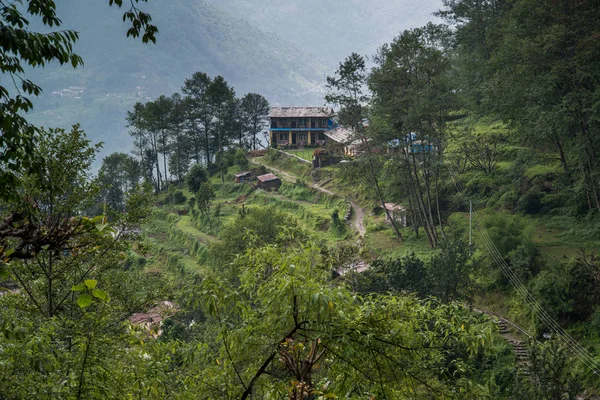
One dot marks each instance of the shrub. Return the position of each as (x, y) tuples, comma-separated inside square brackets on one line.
[(240, 159), (196, 176), (175, 196)]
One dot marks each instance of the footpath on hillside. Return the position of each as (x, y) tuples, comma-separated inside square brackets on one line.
[(357, 220)]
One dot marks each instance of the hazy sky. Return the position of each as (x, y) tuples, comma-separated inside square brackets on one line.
[(332, 29)]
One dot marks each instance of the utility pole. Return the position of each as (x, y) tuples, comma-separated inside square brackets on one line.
[(471, 226)]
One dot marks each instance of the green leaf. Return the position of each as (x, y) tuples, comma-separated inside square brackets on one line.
[(45, 247), (101, 227), (100, 294), (79, 288), (91, 283), (85, 300), (9, 252), (98, 218)]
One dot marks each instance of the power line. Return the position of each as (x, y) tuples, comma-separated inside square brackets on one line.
[(579, 352)]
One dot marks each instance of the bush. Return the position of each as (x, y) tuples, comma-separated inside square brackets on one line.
[(175, 196), (530, 202), (240, 159), (196, 176)]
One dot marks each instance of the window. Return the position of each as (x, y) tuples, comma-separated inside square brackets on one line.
[(323, 122), (302, 122), (283, 136), (302, 137)]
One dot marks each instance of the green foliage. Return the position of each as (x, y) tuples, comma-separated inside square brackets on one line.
[(175, 196), (550, 374), (204, 197), (257, 227), (240, 159), (285, 299)]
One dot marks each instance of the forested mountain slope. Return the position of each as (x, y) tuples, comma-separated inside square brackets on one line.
[(193, 37), (333, 29)]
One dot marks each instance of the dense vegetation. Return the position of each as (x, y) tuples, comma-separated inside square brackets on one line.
[(160, 277)]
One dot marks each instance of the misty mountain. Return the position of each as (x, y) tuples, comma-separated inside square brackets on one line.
[(332, 29), (194, 36)]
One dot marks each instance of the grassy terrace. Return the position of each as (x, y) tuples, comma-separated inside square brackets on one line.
[(306, 153)]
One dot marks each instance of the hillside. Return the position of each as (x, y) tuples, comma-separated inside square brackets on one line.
[(334, 28), (193, 37)]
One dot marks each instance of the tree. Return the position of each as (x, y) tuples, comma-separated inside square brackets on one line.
[(180, 157), (204, 196), (550, 374), (20, 47), (199, 119), (118, 176), (220, 97), (310, 337), (346, 90), (413, 97), (67, 269), (136, 120), (158, 117), (196, 176), (255, 109)]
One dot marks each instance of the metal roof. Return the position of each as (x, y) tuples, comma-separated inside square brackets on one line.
[(340, 135), (239, 175), (267, 177), (301, 112), (395, 207)]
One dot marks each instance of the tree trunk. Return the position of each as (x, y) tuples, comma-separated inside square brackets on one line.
[(378, 191)]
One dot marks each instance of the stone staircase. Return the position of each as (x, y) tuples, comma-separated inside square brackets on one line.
[(519, 347)]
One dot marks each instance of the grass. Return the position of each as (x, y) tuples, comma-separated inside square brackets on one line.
[(185, 225), (306, 154), (543, 169)]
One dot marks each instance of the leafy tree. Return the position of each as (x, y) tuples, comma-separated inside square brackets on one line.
[(550, 374), (240, 159), (20, 48), (199, 118), (451, 273), (346, 90), (196, 176), (66, 267), (220, 97), (158, 119), (310, 337), (119, 175), (136, 120), (255, 109), (180, 157), (412, 99), (204, 196)]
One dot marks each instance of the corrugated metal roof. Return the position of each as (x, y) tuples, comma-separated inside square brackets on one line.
[(340, 135), (243, 174), (395, 207), (267, 177), (301, 112)]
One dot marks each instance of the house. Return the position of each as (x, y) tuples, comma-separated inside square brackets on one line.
[(397, 212), (346, 137), (152, 320), (300, 126), (242, 177), (268, 182)]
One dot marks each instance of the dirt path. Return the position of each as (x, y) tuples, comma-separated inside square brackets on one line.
[(358, 218), (358, 213)]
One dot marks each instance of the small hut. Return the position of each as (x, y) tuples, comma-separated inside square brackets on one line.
[(397, 212), (242, 177), (268, 182)]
